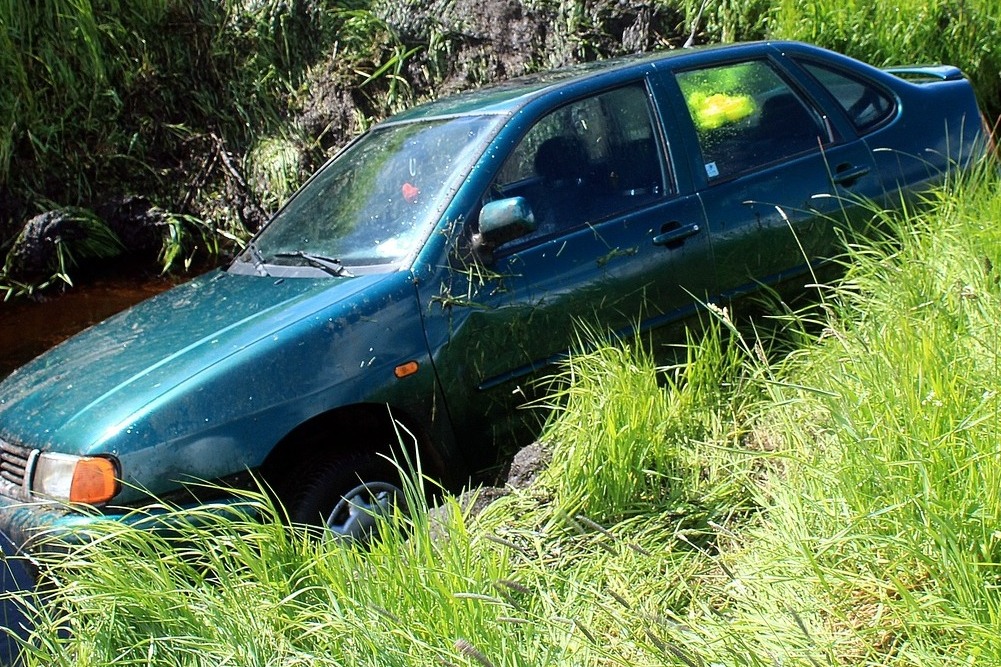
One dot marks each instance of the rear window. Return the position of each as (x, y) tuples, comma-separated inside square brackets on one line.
[(865, 103)]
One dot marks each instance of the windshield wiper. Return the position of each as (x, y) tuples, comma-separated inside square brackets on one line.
[(328, 264)]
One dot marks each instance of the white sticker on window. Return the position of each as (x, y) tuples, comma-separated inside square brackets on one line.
[(711, 170)]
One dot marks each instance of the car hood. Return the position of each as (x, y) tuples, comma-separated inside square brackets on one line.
[(65, 399)]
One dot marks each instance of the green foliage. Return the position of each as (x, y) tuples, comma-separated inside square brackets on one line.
[(272, 166), (97, 93), (186, 236), (621, 444), (104, 97), (962, 33), (363, 32), (96, 240), (892, 499), (717, 21)]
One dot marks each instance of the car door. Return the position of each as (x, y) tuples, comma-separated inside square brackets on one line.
[(616, 249), (779, 183)]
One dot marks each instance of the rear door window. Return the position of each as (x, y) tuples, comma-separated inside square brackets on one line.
[(747, 116)]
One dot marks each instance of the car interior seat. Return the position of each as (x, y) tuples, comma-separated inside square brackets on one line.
[(561, 200)]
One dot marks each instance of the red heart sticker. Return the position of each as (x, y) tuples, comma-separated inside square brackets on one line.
[(410, 192)]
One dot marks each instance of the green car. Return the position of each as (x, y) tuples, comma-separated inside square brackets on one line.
[(410, 294)]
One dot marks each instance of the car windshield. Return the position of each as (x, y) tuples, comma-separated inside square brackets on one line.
[(374, 203)]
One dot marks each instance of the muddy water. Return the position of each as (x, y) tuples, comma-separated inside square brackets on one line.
[(28, 328)]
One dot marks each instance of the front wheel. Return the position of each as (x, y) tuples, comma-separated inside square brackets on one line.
[(347, 495), (357, 514)]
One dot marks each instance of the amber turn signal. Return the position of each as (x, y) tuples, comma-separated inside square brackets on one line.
[(94, 481), (403, 370)]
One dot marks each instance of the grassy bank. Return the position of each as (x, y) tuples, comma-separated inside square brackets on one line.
[(834, 505)]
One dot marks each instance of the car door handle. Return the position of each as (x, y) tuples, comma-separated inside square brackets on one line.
[(676, 235), (847, 174)]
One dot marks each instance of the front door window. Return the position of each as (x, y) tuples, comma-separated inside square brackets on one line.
[(586, 162)]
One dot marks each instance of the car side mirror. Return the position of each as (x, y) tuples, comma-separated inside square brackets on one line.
[(502, 221)]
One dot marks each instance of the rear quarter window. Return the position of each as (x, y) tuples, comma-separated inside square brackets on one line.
[(866, 104)]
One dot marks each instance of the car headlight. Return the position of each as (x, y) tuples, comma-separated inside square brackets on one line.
[(78, 479)]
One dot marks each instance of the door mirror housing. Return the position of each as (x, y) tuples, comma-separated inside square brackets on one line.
[(502, 221)]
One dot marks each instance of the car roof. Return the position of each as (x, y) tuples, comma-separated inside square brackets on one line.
[(509, 96)]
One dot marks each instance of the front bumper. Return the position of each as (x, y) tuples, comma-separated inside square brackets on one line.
[(34, 524), (47, 526)]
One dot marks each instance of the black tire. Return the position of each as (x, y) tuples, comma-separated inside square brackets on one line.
[(344, 494)]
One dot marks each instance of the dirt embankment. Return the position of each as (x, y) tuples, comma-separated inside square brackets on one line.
[(468, 43)]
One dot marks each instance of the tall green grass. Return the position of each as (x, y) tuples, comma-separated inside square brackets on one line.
[(102, 96), (188, 104), (895, 499), (627, 436), (962, 33)]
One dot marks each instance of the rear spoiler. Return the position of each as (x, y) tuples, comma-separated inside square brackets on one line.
[(927, 72)]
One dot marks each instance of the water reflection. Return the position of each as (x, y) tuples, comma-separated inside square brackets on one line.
[(28, 328)]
